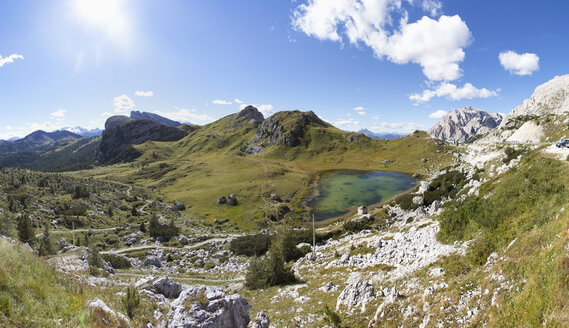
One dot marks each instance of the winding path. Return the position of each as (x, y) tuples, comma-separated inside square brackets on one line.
[(196, 245)]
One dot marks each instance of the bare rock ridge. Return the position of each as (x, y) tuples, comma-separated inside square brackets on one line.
[(251, 114), (136, 115), (116, 142), (542, 117), (287, 128), (461, 124)]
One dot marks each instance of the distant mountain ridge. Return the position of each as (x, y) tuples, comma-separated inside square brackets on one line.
[(382, 135), (38, 140), (136, 115), (84, 132), (462, 124)]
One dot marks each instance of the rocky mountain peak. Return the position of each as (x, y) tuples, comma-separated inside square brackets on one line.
[(551, 97), (251, 114), (541, 117), (461, 124), (287, 128)]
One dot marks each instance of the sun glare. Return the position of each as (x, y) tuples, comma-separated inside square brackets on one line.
[(99, 11)]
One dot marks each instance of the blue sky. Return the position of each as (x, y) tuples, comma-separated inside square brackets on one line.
[(386, 65)]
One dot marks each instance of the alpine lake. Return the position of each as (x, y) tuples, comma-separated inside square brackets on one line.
[(336, 193)]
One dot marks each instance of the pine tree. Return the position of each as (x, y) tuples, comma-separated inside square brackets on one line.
[(46, 246), (142, 227), (25, 230)]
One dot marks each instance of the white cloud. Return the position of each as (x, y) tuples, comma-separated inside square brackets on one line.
[(237, 101), (432, 6), (453, 92), (59, 113), (349, 123), (123, 104), (370, 22), (376, 118), (221, 102), (267, 110), (360, 110), (389, 127), (186, 116), (9, 59), (438, 114), (519, 64), (144, 93)]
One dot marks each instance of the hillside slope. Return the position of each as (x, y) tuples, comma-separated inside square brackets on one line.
[(245, 155)]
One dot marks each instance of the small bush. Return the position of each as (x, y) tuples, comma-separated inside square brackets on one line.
[(355, 226), (131, 301), (331, 317), (250, 245), (405, 201), (269, 271), (117, 262), (512, 153), (209, 265)]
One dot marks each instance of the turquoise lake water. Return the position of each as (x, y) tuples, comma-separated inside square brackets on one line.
[(338, 191)]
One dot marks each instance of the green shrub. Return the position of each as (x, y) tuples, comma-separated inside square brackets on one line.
[(155, 229), (80, 191), (512, 153), (25, 230), (446, 185), (250, 245), (6, 225), (331, 317), (117, 262), (356, 226), (46, 244), (94, 259), (209, 265), (131, 301), (405, 201), (270, 270)]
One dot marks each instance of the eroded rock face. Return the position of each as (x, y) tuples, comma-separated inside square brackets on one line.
[(461, 124), (357, 293), (208, 307), (251, 114), (117, 140), (287, 128)]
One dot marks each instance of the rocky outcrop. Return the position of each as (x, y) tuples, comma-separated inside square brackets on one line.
[(178, 206), (116, 120), (102, 315), (165, 286), (462, 124), (251, 115), (357, 293), (535, 120), (231, 200), (116, 142), (208, 307), (261, 321), (136, 115), (287, 128)]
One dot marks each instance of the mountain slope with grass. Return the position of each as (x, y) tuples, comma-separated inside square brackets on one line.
[(245, 155)]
